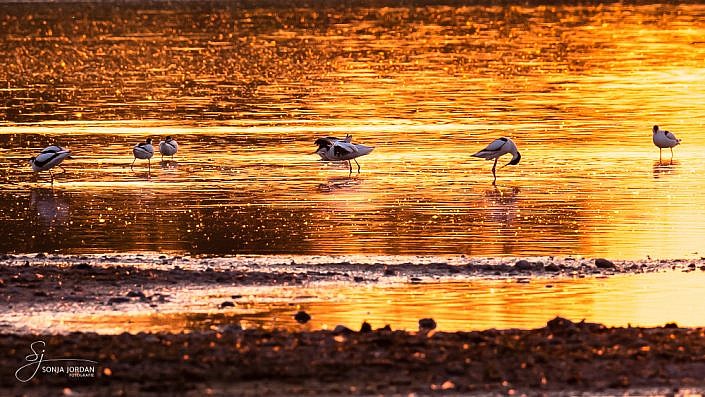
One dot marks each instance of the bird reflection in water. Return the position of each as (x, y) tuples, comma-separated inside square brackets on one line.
[(51, 209), (339, 183), (501, 204), (169, 164), (663, 169)]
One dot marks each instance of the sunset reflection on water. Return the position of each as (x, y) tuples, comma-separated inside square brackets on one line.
[(643, 300), (246, 92)]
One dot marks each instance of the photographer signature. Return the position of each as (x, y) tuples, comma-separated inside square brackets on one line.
[(36, 359)]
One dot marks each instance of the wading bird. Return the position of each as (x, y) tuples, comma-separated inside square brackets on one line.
[(49, 158), (143, 150), (664, 139), (168, 147), (497, 149), (334, 149)]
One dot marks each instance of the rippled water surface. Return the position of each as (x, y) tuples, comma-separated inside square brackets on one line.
[(246, 90)]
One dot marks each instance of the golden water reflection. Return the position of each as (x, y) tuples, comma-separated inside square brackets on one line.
[(246, 90), (647, 300)]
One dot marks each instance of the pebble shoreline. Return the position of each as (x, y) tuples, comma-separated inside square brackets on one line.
[(38, 278), (563, 357)]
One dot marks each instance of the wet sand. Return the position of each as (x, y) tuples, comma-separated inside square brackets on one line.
[(563, 357), (98, 279)]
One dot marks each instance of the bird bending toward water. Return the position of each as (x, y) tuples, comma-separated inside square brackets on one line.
[(168, 147), (143, 150), (49, 158), (497, 149), (664, 139), (334, 149)]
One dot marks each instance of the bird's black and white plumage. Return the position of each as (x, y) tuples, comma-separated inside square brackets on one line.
[(143, 150), (664, 139), (49, 158), (498, 148), (335, 149), (168, 147)]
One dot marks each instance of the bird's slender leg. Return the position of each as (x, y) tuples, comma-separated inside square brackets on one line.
[(350, 165), (162, 157), (671, 153), (133, 162), (358, 166), (660, 151), (494, 167), (149, 165), (52, 177)]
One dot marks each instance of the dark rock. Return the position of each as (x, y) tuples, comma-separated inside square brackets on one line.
[(671, 325), (552, 267), (136, 294), (415, 280), (231, 328), (560, 324), (602, 263), (427, 324), (385, 328), (341, 329), (358, 279), (81, 266), (118, 299), (302, 317), (227, 304), (41, 293), (389, 272), (161, 298), (523, 265), (366, 327), (236, 296), (41, 255)]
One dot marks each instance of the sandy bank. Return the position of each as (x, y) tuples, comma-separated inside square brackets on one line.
[(562, 356)]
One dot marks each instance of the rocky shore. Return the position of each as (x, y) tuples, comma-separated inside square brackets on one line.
[(42, 278), (562, 358)]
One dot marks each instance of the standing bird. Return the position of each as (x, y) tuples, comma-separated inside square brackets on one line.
[(497, 149), (49, 158), (143, 150), (168, 147), (334, 149), (664, 139)]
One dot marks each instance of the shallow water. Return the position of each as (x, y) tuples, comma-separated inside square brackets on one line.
[(247, 90), (650, 299)]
